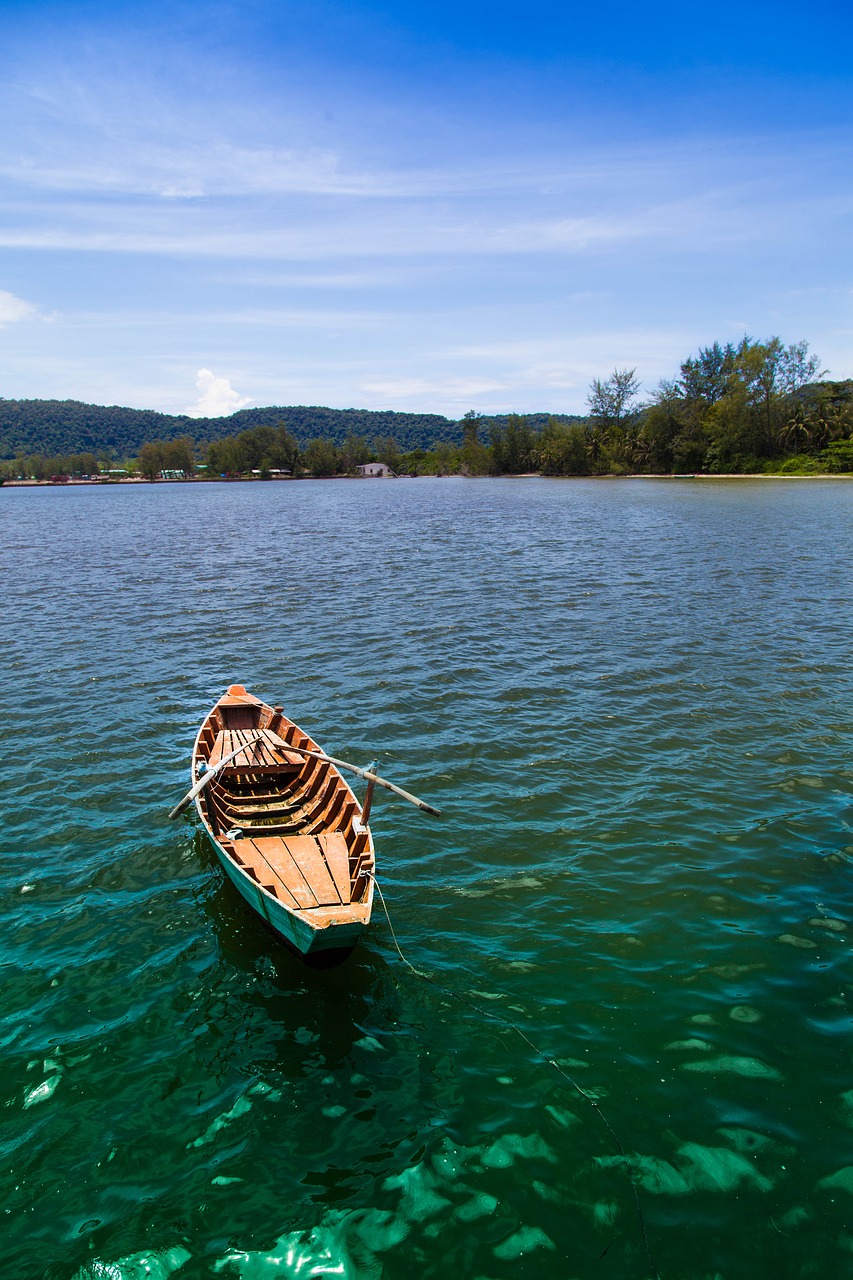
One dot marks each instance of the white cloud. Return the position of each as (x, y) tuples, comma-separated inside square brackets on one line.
[(217, 397), (13, 310)]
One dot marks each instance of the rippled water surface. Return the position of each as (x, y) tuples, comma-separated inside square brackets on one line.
[(632, 701)]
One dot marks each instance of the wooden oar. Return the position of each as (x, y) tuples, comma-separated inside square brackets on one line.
[(372, 778)]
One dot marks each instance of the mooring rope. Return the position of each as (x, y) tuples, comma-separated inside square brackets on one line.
[(540, 1053)]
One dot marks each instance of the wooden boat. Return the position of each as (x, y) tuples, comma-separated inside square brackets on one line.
[(287, 829), (285, 825)]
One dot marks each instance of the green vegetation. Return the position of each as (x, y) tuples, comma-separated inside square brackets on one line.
[(158, 456), (261, 448), (67, 427), (733, 409), (38, 467), (753, 407)]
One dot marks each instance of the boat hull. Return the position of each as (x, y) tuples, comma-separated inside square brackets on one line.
[(294, 931), (286, 827)]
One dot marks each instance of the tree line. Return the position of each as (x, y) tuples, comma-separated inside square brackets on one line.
[(156, 457), (750, 407), (754, 406)]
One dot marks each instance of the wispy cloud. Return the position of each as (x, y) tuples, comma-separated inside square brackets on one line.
[(320, 231), (107, 153), (440, 389), (13, 309), (539, 373)]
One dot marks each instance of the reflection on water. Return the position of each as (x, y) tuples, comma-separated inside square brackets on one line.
[(632, 703)]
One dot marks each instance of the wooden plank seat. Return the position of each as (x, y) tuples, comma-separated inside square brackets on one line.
[(283, 829), (255, 812), (303, 871), (265, 752)]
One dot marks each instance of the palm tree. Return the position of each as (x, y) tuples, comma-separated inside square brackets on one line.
[(795, 435)]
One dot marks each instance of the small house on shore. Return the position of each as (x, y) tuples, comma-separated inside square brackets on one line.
[(377, 470)]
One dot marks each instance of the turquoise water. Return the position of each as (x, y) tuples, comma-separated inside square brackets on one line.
[(632, 701)]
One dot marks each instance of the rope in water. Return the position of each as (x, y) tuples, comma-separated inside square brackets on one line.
[(552, 1062)]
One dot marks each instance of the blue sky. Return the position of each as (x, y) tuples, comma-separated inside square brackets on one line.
[(428, 206)]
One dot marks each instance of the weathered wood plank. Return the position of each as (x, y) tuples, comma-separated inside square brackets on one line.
[(306, 854), (280, 748), (264, 751), (334, 847), (276, 854), (258, 869), (283, 889)]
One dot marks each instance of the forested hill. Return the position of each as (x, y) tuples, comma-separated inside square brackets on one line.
[(53, 427), (67, 426)]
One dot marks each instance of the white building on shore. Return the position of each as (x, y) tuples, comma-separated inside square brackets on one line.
[(377, 470)]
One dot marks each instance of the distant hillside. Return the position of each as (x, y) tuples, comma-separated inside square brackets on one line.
[(53, 427), (66, 426)]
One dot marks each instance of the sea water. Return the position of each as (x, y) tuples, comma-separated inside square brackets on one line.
[(631, 1049)]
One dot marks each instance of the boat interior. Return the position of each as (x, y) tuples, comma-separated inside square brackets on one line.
[(288, 820)]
